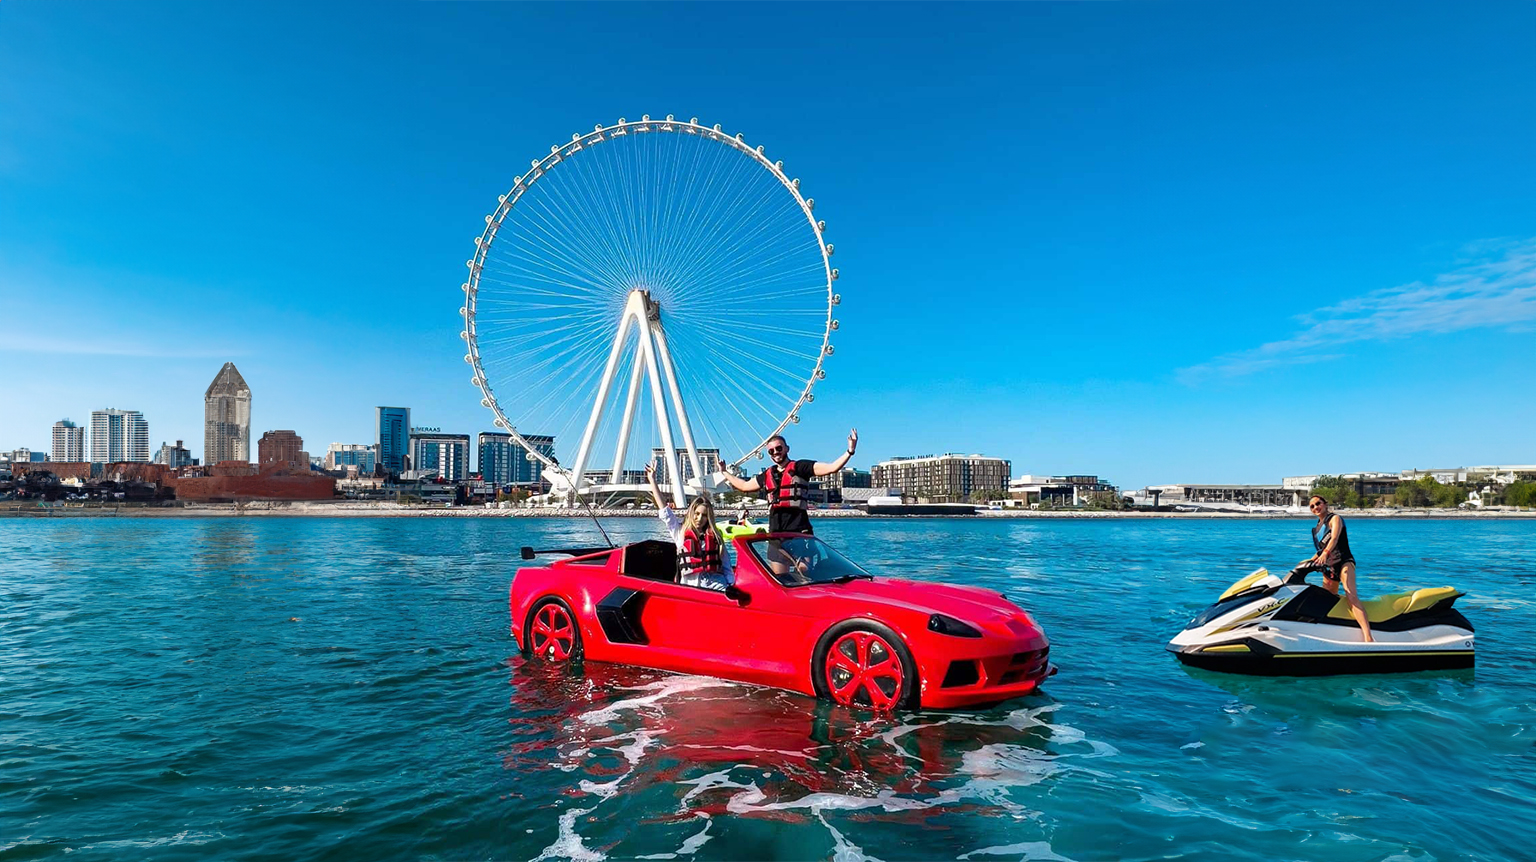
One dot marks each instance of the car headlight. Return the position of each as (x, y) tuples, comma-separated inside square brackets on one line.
[(947, 625)]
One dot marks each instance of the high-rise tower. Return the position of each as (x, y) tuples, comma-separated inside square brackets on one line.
[(227, 418), (394, 436), (68, 441), (119, 435)]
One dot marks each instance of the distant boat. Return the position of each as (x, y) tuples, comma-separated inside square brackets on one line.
[(894, 506)]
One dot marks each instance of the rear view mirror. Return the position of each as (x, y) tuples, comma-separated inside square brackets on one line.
[(738, 595)]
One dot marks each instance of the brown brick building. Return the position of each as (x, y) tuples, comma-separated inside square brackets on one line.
[(277, 447)]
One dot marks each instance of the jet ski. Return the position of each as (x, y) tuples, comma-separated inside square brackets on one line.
[(1283, 626), (736, 529)]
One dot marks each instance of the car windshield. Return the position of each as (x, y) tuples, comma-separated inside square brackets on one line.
[(803, 560)]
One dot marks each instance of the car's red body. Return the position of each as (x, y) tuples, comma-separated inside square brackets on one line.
[(629, 611)]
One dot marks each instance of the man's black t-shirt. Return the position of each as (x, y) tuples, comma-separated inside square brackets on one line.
[(788, 519)]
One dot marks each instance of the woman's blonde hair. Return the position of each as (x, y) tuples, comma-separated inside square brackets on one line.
[(700, 502)]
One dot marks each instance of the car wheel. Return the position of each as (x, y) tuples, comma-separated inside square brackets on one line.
[(864, 664), (552, 631)]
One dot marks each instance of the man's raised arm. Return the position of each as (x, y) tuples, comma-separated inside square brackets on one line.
[(745, 486), (822, 469)]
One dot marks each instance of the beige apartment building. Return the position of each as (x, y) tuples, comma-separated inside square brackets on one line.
[(947, 477)]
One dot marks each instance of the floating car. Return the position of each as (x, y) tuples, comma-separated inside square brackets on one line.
[(798, 616)]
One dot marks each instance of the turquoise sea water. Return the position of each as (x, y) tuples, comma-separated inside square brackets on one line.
[(346, 689)]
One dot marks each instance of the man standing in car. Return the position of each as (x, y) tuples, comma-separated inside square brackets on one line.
[(784, 483)]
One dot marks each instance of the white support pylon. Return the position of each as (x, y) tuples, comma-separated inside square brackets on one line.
[(641, 311)]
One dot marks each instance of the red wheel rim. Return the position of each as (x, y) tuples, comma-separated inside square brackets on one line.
[(863, 670), (553, 635)]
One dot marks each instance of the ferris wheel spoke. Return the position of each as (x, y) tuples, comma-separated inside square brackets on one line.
[(536, 229), (578, 241), (712, 238)]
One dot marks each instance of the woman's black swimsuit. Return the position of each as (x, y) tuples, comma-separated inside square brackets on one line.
[(1334, 565)]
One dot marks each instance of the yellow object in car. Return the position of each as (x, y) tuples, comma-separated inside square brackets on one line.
[(733, 530)]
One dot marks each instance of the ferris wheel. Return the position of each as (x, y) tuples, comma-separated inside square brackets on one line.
[(649, 288)]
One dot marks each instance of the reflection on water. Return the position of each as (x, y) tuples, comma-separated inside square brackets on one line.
[(626, 736)]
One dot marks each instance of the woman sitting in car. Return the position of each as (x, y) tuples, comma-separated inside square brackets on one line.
[(700, 548)]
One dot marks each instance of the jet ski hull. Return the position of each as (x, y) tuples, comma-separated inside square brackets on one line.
[(1256, 663)]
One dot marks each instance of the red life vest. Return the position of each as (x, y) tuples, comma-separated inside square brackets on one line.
[(786, 489), (701, 555)]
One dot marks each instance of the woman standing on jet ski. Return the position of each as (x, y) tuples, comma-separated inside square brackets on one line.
[(1331, 540)]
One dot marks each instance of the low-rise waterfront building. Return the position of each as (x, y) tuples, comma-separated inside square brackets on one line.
[(947, 477), (360, 456), (848, 477), (1073, 490), (1246, 495)]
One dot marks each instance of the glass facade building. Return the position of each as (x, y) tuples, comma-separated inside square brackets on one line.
[(341, 455), (394, 431), (503, 461), (446, 455)]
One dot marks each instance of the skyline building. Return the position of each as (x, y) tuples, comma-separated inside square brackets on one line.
[(497, 458), (504, 461), (709, 459), (279, 446), (119, 435), (227, 418), (175, 456), (526, 471), (341, 455), (443, 455), (68, 442), (393, 428), (943, 477)]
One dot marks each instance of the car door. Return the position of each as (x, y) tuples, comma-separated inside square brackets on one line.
[(697, 630)]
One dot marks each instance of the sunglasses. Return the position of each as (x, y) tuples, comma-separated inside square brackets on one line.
[(774, 450)]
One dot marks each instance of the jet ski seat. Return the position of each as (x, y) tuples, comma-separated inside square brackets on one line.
[(1393, 605)]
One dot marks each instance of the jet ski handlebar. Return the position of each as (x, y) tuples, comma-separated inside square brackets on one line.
[(1299, 574)]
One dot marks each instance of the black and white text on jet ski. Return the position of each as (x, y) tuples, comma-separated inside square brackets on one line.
[(1284, 626)]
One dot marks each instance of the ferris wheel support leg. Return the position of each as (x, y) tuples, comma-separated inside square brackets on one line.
[(601, 403), (677, 402), (636, 379), (669, 451)]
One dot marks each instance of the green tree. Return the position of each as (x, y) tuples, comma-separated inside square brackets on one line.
[(1338, 492), (1419, 493), (987, 495), (1521, 493)]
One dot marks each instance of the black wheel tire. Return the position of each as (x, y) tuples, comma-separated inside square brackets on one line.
[(910, 696), (531, 647)]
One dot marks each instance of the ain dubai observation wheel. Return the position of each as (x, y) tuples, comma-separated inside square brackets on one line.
[(657, 276)]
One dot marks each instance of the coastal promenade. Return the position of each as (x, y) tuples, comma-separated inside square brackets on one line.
[(352, 509)]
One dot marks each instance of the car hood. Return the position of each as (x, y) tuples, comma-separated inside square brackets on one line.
[(974, 605)]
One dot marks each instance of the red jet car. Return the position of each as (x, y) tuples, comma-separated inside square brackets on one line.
[(798, 616)]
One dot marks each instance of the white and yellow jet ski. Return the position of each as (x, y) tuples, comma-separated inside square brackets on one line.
[(1283, 626)]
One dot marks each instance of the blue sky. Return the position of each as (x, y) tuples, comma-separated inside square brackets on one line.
[(1159, 242)]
